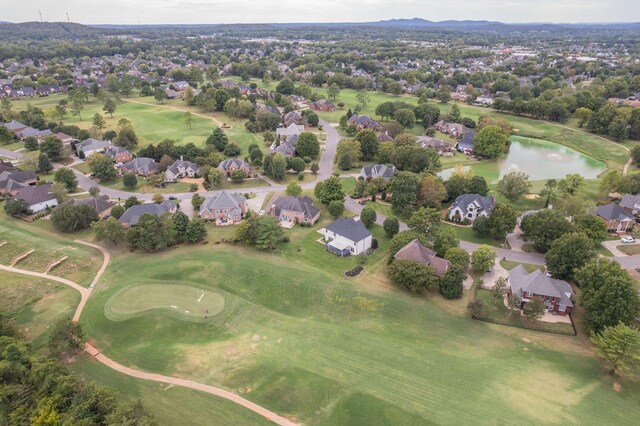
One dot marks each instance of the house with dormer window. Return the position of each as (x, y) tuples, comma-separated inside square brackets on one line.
[(469, 207)]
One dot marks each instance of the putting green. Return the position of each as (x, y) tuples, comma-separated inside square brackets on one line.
[(188, 303)]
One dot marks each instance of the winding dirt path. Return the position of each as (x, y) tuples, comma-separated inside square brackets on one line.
[(208, 117), (95, 353)]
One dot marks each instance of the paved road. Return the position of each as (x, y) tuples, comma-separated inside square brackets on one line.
[(10, 154), (91, 350)]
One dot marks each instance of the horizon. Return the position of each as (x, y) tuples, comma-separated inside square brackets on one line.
[(220, 12)]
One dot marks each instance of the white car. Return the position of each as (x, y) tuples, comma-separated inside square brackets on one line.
[(627, 240), (262, 213)]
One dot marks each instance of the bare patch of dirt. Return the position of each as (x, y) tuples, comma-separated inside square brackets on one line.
[(524, 339), (617, 387)]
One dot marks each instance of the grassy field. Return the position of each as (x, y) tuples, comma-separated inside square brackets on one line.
[(80, 266), (298, 337), (630, 250), (466, 233), (35, 304)]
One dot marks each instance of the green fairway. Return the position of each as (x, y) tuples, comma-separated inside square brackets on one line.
[(300, 339), (185, 302), (35, 304)]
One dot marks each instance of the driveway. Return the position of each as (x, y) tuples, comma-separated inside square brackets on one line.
[(490, 278), (612, 247), (515, 239)]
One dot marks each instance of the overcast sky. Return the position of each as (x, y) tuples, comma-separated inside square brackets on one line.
[(250, 11)]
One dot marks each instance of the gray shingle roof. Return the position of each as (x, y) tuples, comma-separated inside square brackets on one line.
[(378, 170), (36, 194), (416, 251), (296, 204), (630, 201), (613, 212), (537, 282), (351, 229), (133, 213), (222, 200), (484, 203), (100, 204)]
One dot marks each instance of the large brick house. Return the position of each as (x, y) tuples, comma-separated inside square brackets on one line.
[(230, 165), (556, 294), (224, 208), (425, 256), (289, 209), (616, 218)]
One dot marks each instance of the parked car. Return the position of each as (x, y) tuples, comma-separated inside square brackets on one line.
[(172, 198), (628, 240)]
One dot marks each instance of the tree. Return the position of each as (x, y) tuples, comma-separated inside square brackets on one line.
[(151, 233), (99, 121), (44, 164), (424, 221), (30, 143), (610, 182), (297, 164), (490, 142), (514, 185), (264, 232), (329, 190), (52, 146), (73, 217), (237, 176), (444, 94), (432, 192), (369, 144), (109, 106), (549, 191), (278, 166), (444, 239), (583, 115), (502, 220), (454, 114), (196, 231), (131, 201), (416, 159), (458, 257), (102, 167), (593, 227), (499, 289), (16, 207), (66, 177), (293, 189), (78, 97), (608, 295), (188, 119), (391, 226), (218, 139), (312, 119), (363, 97), (285, 87), (130, 180), (336, 208), (412, 275), (117, 211), (406, 117), (94, 191), (452, 283), (127, 137), (619, 347), (534, 309), (483, 258), (256, 156), (619, 129), (544, 227), (67, 338), (110, 230), (159, 95), (571, 183), (180, 222), (568, 253), (6, 136), (368, 216), (333, 91), (477, 309), (308, 145), (314, 168), (404, 187)]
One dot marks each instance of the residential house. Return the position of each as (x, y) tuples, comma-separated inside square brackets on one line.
[(119, 154), (91, 146), (15, 126), (39, 197), (286, 147), (292, 129), (384, 137), (616, 217), (468, 207), (181, 168), (347, 237), (289, 209), (425, 256), (456, 130), (443, 148), (30, 132), (378, 170), (131, 216), (141, 166), (179, 86), (322, 105), (102, 205), (556, 294), (631, 203), (292, 117), (466, 143), (224, 208), (364, 122), (483, 100), (12, 181), (64, 138), (230, 165)]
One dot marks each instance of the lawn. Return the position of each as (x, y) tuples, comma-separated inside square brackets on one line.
[(466, 233), (299, 338), (80, 266), (630, 250), (144, 187)]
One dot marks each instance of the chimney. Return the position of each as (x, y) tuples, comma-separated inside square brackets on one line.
[(181, 159)]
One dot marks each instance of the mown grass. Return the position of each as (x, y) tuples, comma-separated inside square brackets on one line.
[(299, 338), (630, 250)]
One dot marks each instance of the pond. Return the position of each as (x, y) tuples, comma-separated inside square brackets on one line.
[(539, 159)]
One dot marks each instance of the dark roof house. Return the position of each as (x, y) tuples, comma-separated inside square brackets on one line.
[(424, 255)]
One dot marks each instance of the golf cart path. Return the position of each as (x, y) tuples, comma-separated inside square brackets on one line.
[(95, 353), (208, 117)]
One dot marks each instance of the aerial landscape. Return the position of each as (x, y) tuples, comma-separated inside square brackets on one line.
[(247, 213)]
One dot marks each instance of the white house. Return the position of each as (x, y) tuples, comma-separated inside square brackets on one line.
[(347, 237), (38, 197), (471, 206)]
